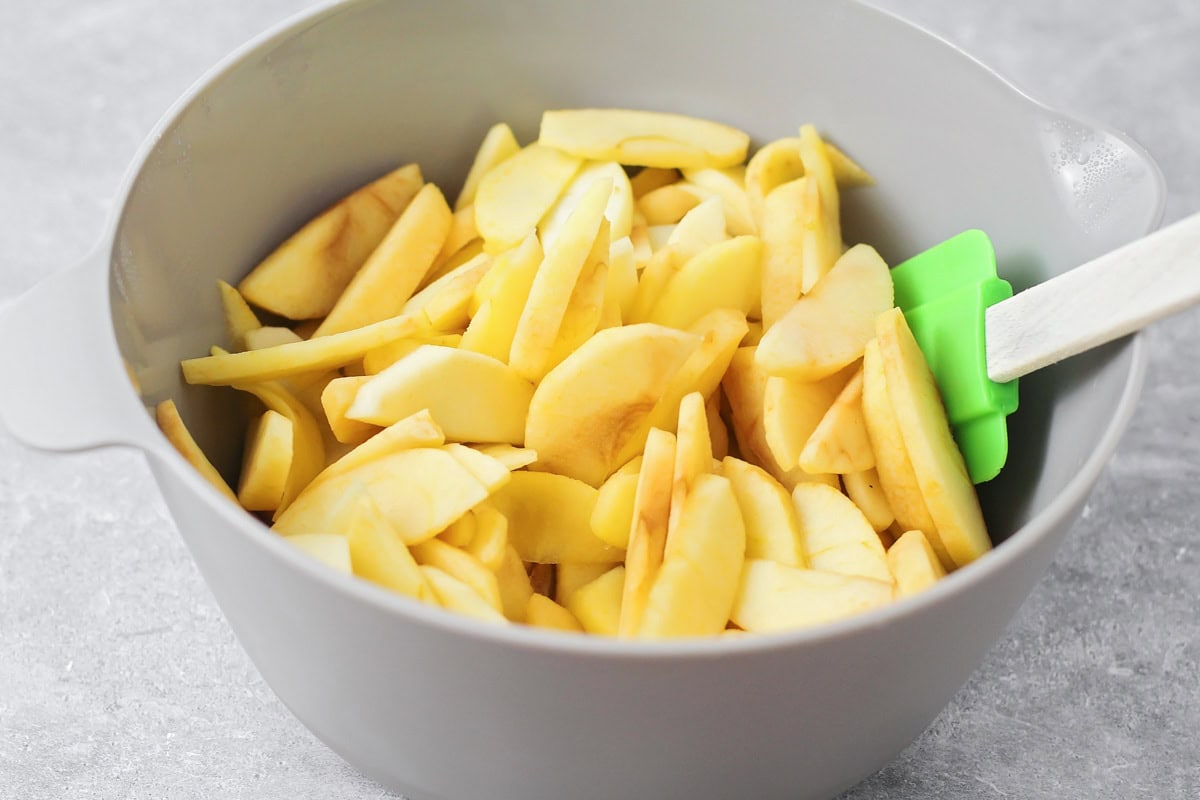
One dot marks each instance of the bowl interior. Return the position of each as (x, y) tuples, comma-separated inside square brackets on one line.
[(287, 126)]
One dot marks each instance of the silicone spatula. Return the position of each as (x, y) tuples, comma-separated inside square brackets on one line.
[(979, 337)]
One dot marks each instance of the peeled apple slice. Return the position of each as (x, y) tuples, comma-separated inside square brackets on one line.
[(643, 138)]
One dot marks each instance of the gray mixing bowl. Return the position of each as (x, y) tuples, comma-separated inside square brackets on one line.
[(439, 706)]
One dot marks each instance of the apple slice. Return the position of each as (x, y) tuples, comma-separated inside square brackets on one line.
[(304, 276), (487, 470), (377, 360), (828, 328), (581, 317), (445, 304), (513, 458), (783, 249), (821, 215), (840, 442), (937, 463), (729, 184), (503, 293), (543, 612), (569, 578), (776, 597), (772, 530), (587, 408), (792, 410), (866, 490), (700, 229), (648, 179), (462, 565), (726, 275), (597, 605), (643, 138), (518, 192), (612, 517), (549, 519), (453, 594), (169, 421), (693, 455), (515, 588), (694, 591), (376, 551), (331, 549), (498, 146), (650, 522), (913, 563), (835, 536), (380, 288), (896, 475), (239, 317), (416, 430), (308, 448), (420, 491), (266, 462), (490, 542), (668, 204), (554, 284), (473, 398), (618, 211), (336, 399), (779, 162)]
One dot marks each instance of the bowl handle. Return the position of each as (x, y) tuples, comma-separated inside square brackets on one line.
[(64, 385)]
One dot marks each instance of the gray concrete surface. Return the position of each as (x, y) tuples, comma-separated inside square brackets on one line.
[(119, 678)]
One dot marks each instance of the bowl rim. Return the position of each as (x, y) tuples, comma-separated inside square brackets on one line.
[(545, 642)]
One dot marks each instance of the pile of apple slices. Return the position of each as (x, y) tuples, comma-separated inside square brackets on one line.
[(630, 384)]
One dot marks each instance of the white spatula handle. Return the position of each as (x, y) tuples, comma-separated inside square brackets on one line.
[(1117, 293)]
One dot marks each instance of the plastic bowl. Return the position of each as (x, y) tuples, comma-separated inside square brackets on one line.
[(438, 706)]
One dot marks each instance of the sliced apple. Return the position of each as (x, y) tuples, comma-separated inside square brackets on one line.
[(490, 542), (693, 455), (618, 211), (331, 549), (376, 551), (454, 595), (772, 530), (717, 430), (554, 284), (668, 204), (336, 398), (304, 276), (266, 462), (171, 424), (239, 317), (498, 146), (694, 591), (726, 275), (648, 179), (821, 217), (650, 521), (569, 578), (543, 612), (937, 462), (840, 442), (612, 516), (913, 563), (589, 406), (834, 534), (503, 298), (462, 565), (462, 233), (700, 229), (393, 271), (444, 305), (377, 360), (515, 587), (518, 192), (643, 138), (513, 458), (549, 519), (783, 249), (473, 398), (776, 597), (597, 605), (416, 430), (308, 448), (487, 470), (866, 490), (581, 318), (828, 328), (792, 410), (729, 184)]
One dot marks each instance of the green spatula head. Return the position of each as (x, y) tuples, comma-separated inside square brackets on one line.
[(943, 293)]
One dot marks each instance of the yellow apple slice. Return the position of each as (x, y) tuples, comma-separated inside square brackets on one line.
[(304, 276), (776, 597), (694, 591), (239, 317), (772, 530), (783, 249), (834, 534), (377, 360), (498, 146), (266, 462), (545, 613), (650, 521), (648, 179), (554, 284), (700, 229), (308, 448), (461, 531), (597, 605), (693, 455), (896, 475), (420, 491), (612, 517), (866, 490), (445, 304), (643, 138), (581, 318), (668, 204), (549, 519), (778, 162), (716, 427), (490, 542), (622, 278), (462, 565), (828, 328), (310, 355), (416, 430), (503, 293), (513, 458), (515, 587), (518, 192), (589, 406), (473, 398), (913, 563), (569, 578), (462, 233), (792, 410), (937, 463), (380, 288), (176, 432), (376, 551), (618, 211), (453, 594), (331, 549), (840, 442), (729, 184), (266, 336), (821, 217), (726, 275), (336, 399), (487, 470)]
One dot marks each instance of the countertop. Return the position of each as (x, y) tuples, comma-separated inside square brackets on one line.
[(120, 679)]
